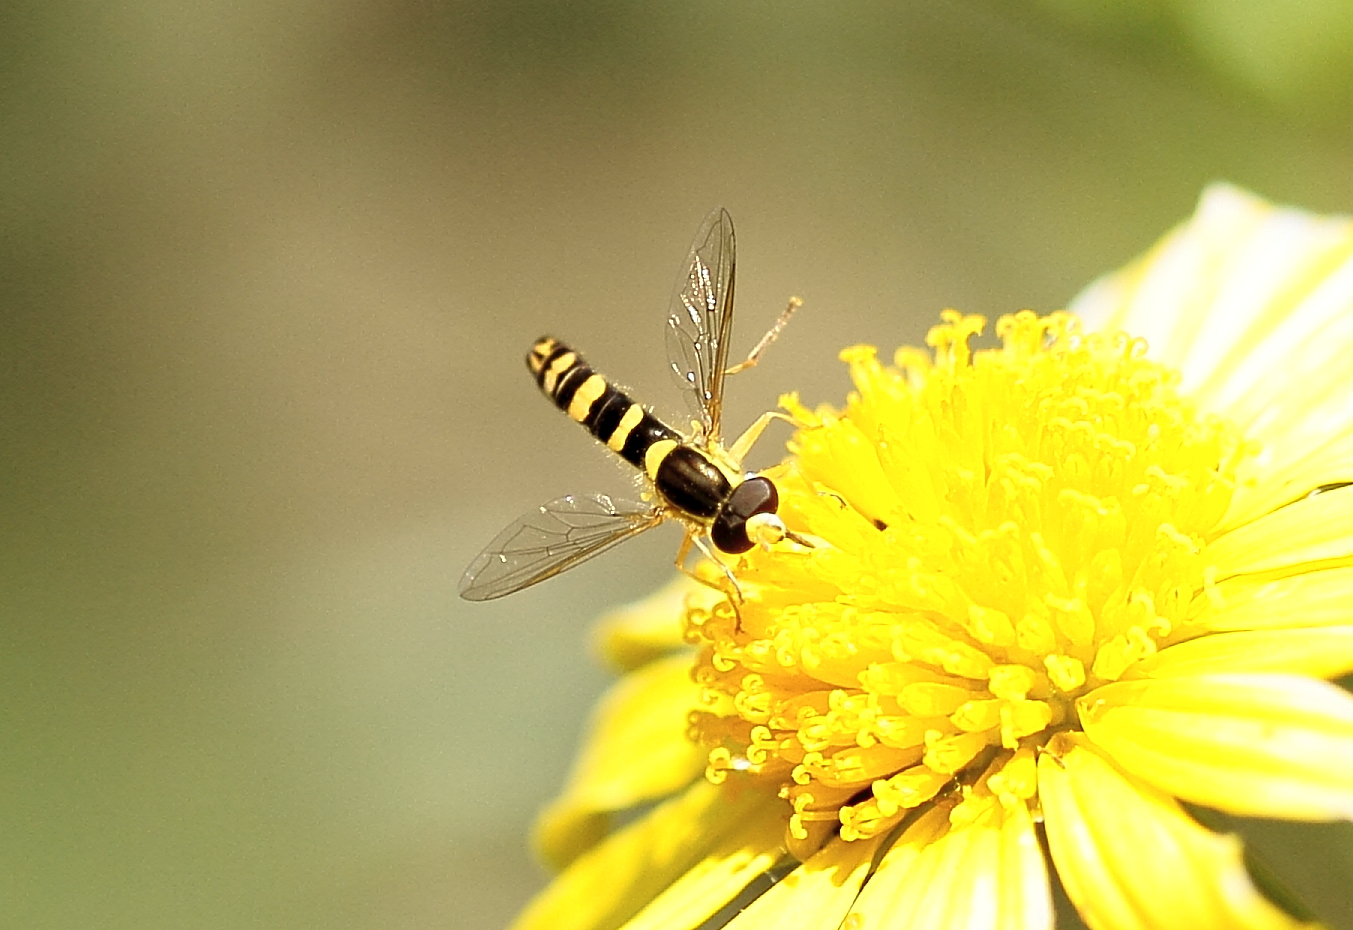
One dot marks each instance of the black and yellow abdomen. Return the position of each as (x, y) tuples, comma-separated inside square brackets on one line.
[(685, 477), (604, 411)]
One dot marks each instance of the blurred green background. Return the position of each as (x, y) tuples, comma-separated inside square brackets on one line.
[(269, 272)]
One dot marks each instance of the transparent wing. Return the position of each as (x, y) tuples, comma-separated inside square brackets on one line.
[(551, 539), (701, 318)]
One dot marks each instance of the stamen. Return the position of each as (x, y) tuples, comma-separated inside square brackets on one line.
[(995, 533)]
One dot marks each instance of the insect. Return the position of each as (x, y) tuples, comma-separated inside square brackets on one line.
[(692, 479)]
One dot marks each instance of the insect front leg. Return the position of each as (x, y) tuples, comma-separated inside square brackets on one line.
[(755, 355), (743, 444), (684, 551), (733, 592), (692, 539)]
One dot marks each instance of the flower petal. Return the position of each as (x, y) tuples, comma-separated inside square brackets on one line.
[(1254, 745), (752, 846), (649, 627), (1025, 896), (1284, 472), (1309, 599), (705, 828), (635, 750), (1320, 652), (816, 895), (1214, 293), (1130, 859), (985, 874), (1251, 302), (1316, 529), (895, 887)]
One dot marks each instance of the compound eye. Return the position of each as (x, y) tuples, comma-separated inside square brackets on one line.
[(753, 496)]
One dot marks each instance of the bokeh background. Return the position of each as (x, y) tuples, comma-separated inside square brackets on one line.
[(269, 270)]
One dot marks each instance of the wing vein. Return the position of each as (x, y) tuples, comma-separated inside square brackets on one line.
[(551, 539)]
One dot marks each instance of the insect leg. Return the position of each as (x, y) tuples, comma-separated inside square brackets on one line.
[(687, 541), (692, 539), (684, 551), (755, 355), (703, 546), (743, 444), (733, 592), (735, 595)]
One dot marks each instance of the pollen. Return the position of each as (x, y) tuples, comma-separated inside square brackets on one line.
[(994, 533)]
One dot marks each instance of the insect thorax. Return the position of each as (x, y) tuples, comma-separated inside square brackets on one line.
[(691, 483)]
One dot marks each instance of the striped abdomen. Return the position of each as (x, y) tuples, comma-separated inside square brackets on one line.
[(683, 475), (607, 413)]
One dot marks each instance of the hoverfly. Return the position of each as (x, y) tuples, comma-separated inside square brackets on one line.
[(694, 480)]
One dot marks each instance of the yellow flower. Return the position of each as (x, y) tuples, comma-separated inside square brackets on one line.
[(1056, 587)]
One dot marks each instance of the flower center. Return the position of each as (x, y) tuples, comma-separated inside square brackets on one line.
[(995, 533)]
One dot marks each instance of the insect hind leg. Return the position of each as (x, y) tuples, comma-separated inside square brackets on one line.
[(754, 356)]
